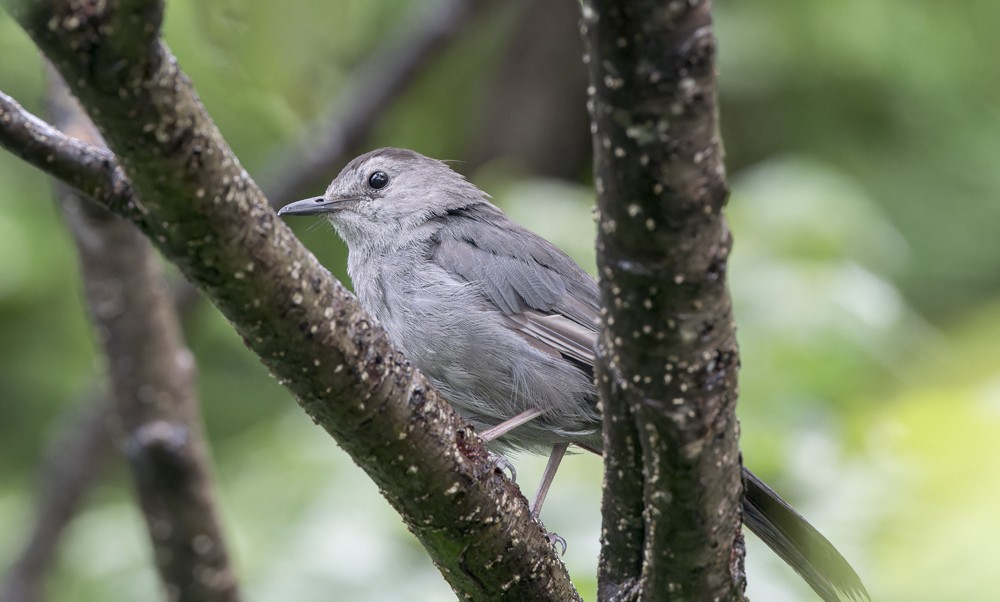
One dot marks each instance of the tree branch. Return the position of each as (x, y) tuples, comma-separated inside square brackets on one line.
[(152, 377), (379, 81), (83, 166), (668, 356), (208, 217)]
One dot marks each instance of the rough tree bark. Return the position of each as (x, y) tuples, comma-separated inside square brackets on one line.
[(667, 354), (200, 208), (382, 78)]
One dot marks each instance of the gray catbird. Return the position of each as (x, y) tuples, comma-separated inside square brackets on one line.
[(505, 324)]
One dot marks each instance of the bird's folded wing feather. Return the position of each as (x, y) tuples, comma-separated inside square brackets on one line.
[(559, 333), (548, 298)]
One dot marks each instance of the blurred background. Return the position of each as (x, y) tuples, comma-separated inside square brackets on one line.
[(862, 143)]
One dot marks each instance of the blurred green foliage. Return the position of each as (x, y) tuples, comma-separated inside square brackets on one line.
[(861, 140)]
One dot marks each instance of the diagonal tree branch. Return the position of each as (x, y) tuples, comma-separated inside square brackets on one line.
[(151, 373), (208, 217), (668, 356), (382, 78)]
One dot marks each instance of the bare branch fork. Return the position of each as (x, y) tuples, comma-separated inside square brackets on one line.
[(202, 211)]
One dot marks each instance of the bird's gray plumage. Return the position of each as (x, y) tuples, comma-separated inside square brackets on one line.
[(414, 256), (502, 322)]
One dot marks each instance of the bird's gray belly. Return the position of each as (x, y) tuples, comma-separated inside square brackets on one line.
[(487, 371)]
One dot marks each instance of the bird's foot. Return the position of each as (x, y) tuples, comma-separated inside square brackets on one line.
[(558, 541), (502, 464)]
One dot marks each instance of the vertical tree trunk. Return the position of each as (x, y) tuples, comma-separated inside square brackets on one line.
[(668, 356)]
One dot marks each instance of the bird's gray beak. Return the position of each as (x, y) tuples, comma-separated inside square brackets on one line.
[(317, 206)]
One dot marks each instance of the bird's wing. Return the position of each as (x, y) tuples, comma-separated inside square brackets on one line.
[(556, 334), (547, 297)]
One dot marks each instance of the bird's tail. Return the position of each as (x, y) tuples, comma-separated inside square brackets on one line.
[(798, 543)]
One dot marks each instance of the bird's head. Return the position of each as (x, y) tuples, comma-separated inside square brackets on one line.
[(385, 194)]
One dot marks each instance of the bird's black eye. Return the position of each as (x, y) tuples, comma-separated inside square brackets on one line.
[(378, 179)]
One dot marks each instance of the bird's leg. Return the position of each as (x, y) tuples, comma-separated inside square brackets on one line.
[(555, 457), (558, 451), (502, 429), (507, 426)]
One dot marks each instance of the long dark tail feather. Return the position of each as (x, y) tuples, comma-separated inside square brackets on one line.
[(798, 543)]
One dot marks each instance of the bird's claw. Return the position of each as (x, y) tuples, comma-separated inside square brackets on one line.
[(503, 465), (557, 540)]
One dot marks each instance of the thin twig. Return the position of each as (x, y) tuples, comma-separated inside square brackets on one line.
[(86, 167)]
